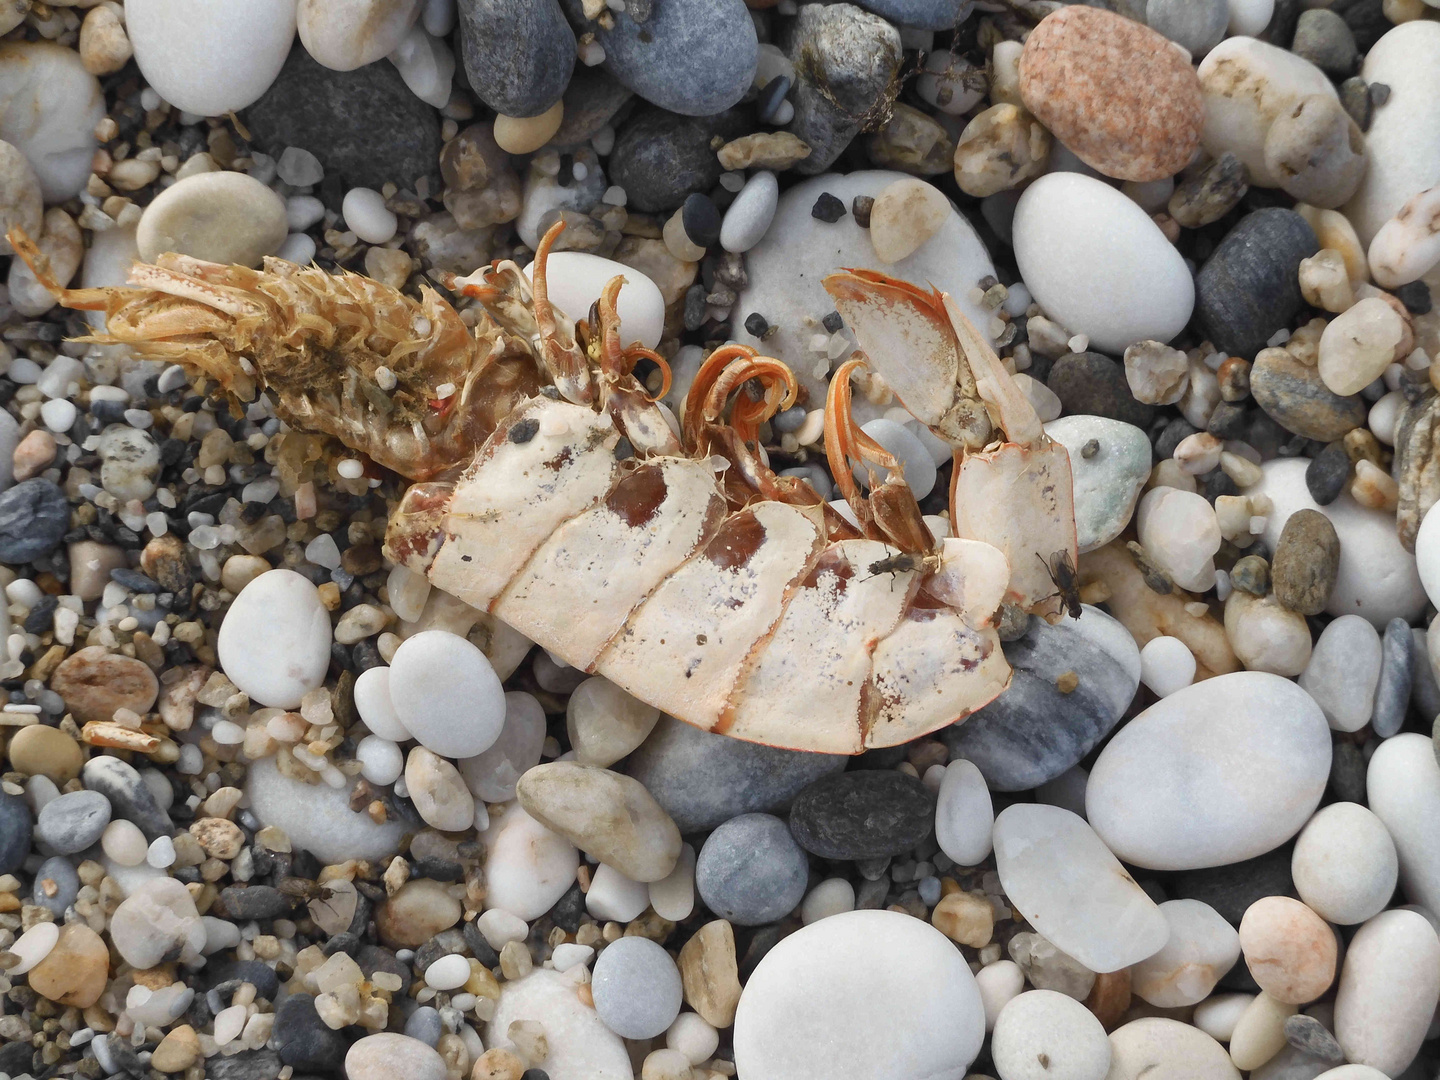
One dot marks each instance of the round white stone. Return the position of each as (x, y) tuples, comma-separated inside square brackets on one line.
[(1166, 665), (964, 814), (1343, 671), (124, 842), (1427, 554), (1058, 873), (1218, 1014), (527, 867), (318, 818), (1345, 866), (1406, 247), (1201, 948), (380, 760), (1155, 1047), (49, 106), (372, 702), (1098, 265), (210, 57), (500, 927), (750, 214), (575, 280), (492, 775), (868, 995), (831, 897), (998, 983), (274, 643), (1042, 1035), (568, 955), (1250, 16), (614, 897), (693, 1036), (446, 694), (1219, 772), (581, 1047), (448, 973), (1389, 986), (367, 216), (225, 217), (1402, 785)]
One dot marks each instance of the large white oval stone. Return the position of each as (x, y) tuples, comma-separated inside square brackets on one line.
[(1060, 875), (275, 641), (867, 995), (1402, 784), (1098, 265), (1216, 773), (527, 866), (1389, 986)]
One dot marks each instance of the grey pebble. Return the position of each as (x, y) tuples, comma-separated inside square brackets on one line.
[(130, 797), (1328, 473), (1296, 398), (1210, 192), (593, 97), (518, 54), (424, 1024), (920, 14), (246, 1065), (751, 871), (1093, 384), (245, 902), (862, 814), (303, 1040), (870, 895), (1310, 1036), (56, 884), (1249, 287), (1392, 692), (1322, 37), (1251, 574), (1356, 100), (73, 821), (16, 830), (256, 972), (659, 158), (1198, 25), (636, 987), (34, 515)]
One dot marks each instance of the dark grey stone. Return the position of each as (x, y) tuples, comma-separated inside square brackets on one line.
[(1032, 732), (702, 779), (1322, 37), (693, 57), (16, 1058), (1424, 689), (302, 1039), (1327, 473), (1198, 25), (920, 14), (1310, 1036), (130, 798), (862, 815), (245, 902), (701, 219), (659, 158), (1249, 287), (16, 828), (246, 1065), (518, 54), (592, 99), (751, 871), (424, 1024), (1347, 773), (1231, 889), (845, 62), (59, 874), (73, 821), (1092, 384), (256, 972), (365, 126), (34, 515), (1392, 692)]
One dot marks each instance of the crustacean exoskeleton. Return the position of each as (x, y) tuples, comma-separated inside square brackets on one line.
[(667, 556)]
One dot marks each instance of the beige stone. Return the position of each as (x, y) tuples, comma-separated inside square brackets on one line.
[(1290, 951), (605, 723), (90, 566), (104, 45), (177, 1051), (999, 149), (905, 215), (775, 150), (966, 917), (709, 974), (21, 203), (220, 839), (34, 454), (39, 750), (75, 970), (95, 682), (418, 911), (525, 135)]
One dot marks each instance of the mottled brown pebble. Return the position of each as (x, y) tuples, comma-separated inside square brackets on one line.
[(75, 971), (709, 973), (1306, 561), (1110, 997), (1295, 398), (95, 682)]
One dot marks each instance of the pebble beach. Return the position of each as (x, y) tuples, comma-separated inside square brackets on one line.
[(277, 806)]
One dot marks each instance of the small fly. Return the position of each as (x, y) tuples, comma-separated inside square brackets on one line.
[(304, 889), (905, 561), (1067, 585)]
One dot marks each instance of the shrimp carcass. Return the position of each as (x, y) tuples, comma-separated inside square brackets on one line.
[(663, 553)]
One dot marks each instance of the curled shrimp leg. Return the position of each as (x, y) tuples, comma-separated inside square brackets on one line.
[(621, 394)]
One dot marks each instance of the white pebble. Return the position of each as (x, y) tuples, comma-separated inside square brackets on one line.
[(274, 643), (916, 461), (1345, 865), (830, 897), (692, 1035), (446, 694), (59, 415), (380, 760), (229, 1023), (499, 927), (1044, 1035), (372, 702), (568, 954), (124, 842), (613, 896), (33, 946), (161, 853), (1166, 665), (749, 216), (367, 217), (297, 248), (673, 896), (964, 814), (448, 973), (999, 983)]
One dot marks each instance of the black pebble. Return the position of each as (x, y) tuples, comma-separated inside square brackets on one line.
[(861, 206), (1249, 288), (701, 220), (755, 324), (534, 1074), (1093, 384), (1327, 473), (862, 815), (1415, 296), (833, 322), (245, 902), (1217, 483), (303, 1040), (828, 208)]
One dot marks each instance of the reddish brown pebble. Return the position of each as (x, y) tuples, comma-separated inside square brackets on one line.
[(1110, 997), (34, 454), (95, 682), (1121, 97)]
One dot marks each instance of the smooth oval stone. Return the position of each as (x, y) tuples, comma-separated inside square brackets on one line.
[(703, 779), (73, 821), (274, 643), (636, 988), (964, 814), (446, 694), (1403, 787), (581, 1046), (1249, 287), (1345, 864), (1108, 482), (751, 871), (528, 867), (1158, 1048), (1397, 671), (1098, 265), (1343, 672), (518, 56), (224, 217), (318, 818), (1058, 873), (379, 1057), (1201, 948), (130, 797), (1033, 732), (210, 57), (16, 829), (1403, 141), (1043, 1030), (576, 278), (56, 872), (51, 105), (865, 814), (1377, 577), (1221, 771), (868, 995), (1388, 990)]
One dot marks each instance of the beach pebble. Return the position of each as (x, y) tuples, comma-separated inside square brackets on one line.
[(318, 818), (1345, 866), (51, 106), (1117, 94), (1407, 247), (95, 682), (1305, 563), (831, 897), (1259, 1033), (214, 58), (1295, 396), (615, 898), (493, 774), (75, 971), (581, 1046), (1343, 672), (1034, 731), (605, 723), (1179, 532), (158, 921), (1316, 151), (1403, 141), (865, 994), (915, 458), (274, 643), (749, 216), (1359, 344), (352, 33), (1201, 948), (1247, 84), (1403, 789), (17, 825), (33, 946), (1289, 950), (636, 987), (1166, 665), (47, 751), (865, 814), (1070, 229), (518, 57), (1059, 874), (964, 814), (1221, 771), (446, 694), (1108, 482), (1042, 1035), (21, 203), (673, 896), (1389, 986), (1196, 25), (1156, 1046), (372, 702), (1249, 287), (224, 217), (527, 866), (1000, 148), (575, 279), (703, 779), (905, 215), (999, 983), (1266, 635), (379, 1057), (34, 515), (605, 814), (60, 241), (57, 884), (750, 870), (440, 796), (1377, 578), (73, 821)]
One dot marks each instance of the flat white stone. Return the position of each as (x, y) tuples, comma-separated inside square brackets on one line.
[(1343, 670), (318, 817), (1377, 577), (868, 995), (372, 702), (1043, 1035), (1157, 1048), (1059, 874), (576, 278), (1403, 142), (527, 867), (581, 1047), (1345, 865), (1098, 265), (446, 694), (1201, 948), (210, 56), (615, 898), (1219, 772), (1402, 785), (274, 642), (964, 814), (1108, 483), (1389, 986)]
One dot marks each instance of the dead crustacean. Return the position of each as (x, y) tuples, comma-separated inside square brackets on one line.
[(668, 557)]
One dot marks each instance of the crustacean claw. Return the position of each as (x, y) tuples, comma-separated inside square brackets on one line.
[(1011, 485)]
